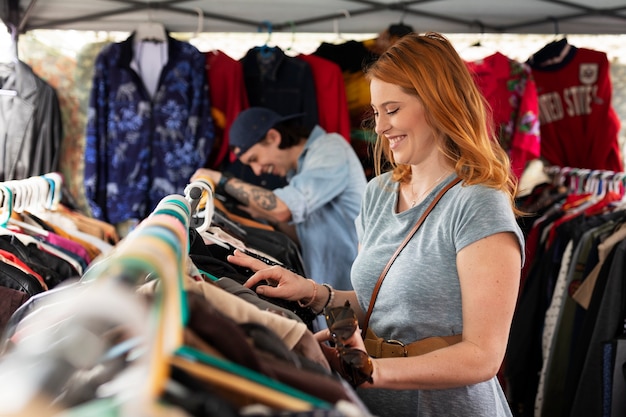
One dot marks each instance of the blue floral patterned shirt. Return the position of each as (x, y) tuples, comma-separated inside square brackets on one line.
[(139, 148)]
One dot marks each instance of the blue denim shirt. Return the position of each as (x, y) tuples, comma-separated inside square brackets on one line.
[(324, 195)]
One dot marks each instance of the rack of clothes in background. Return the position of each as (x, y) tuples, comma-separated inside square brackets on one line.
[(43, 242), (283, 80), (172, 106), (567, 348), (556, 105), (160, 326)]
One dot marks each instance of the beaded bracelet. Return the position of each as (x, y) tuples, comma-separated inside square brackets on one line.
[(312, 300), (331, 296)]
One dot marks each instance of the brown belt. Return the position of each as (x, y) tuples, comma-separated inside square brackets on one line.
[(377, 347)]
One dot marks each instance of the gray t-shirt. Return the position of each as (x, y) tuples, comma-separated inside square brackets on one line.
[(421, 296)]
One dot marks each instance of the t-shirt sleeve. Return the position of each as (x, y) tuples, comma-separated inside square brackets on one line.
[(481, 213)]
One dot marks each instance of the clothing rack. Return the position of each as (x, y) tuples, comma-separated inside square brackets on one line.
[(564, 352), (156, 250), (595, 181)]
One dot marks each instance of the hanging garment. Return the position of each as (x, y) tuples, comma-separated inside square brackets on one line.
[(509, 88), (228, 96), (352, 56), (585, 394), (12, 300), (279, 82), (140, 149), (558, 345), (211, 259), (579, 127), (332, 104), (281, 366), (30, 124)]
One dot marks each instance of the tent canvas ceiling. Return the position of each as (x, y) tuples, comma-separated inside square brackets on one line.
[(346, 16)]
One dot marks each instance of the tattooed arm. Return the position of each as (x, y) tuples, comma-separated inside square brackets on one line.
[(257, 201), (262, 203)]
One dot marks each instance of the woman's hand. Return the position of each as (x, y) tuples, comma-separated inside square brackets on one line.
[(274, 281), (355, 341)]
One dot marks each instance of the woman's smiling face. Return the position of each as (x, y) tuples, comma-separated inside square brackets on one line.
[(401, 119)]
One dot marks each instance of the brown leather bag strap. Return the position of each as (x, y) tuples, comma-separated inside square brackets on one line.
[(399, 249)]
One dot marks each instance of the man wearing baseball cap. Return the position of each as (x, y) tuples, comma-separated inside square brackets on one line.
[(325, 184)]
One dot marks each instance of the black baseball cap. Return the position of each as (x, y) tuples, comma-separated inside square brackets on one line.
[(251, 125)]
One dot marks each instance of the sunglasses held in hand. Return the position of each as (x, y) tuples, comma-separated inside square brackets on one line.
[(355, 365)]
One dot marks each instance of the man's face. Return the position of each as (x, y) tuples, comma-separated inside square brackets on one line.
[(265, 157)]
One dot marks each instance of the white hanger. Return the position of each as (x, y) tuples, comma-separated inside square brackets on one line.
[(22, 199), (151, 31), (338, 37), (55, 192), (194, 199)]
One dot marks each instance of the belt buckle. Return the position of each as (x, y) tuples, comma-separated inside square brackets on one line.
[(398, 343)]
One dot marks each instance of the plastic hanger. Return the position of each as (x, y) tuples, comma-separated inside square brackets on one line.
[(199, 193), (155, 246), (266, 51), (338, 36), (6, 205), (67, 339), (22, 202), (245, 382), (619, 185), (290, 50), (195, 192), (26, 233), (606, 194), (151, 32), (56, 189), (477, 51), (204, 215), (173, 317)]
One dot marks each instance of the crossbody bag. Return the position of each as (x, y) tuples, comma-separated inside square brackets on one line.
[(378, 347)]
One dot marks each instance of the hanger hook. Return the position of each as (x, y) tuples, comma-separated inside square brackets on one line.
[(481, 25), (346, 14), (292, 24), (268, 25), (149, 6), (555, 23), (200, 27), (403, 14)]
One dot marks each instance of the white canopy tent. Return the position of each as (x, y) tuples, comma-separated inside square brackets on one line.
[(348, 16)]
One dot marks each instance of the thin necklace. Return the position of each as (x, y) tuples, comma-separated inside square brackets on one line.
[(419, 197)]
